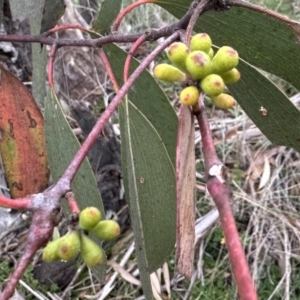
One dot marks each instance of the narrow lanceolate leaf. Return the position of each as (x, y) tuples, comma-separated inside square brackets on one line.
[(281, 120), (22, 142), (148, 135), (62, 145), (1, 10), (39, 63), (52, 12), (185, 187), (150, 184), (109, 10)]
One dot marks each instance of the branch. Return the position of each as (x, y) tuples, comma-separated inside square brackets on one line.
[(125, 11), (152, 34), (50, 66), (131, 52), (109, 70), (200, 8), (221, 194), (46, 215), (20, 203)]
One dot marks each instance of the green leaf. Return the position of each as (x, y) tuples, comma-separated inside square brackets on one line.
[(24, 9), (282, 122), (261, 40), (148, 134), (39, 63), (62, 145), (108, 12), (52, 12), (1, 10)]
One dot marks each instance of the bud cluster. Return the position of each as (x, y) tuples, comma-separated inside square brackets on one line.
[(208, 72), (77, 241)]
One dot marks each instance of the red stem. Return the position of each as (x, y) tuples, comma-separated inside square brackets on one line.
[(221, 193), (128, 60), (20, 203), (50, 66), (40, 231), (126, 10), (109, 70), (64, 27), (72, 202)]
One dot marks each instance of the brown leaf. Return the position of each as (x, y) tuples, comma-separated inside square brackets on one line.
[(22, 142), (185, 188), (256, 168)]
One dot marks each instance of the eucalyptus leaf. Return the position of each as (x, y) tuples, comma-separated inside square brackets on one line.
[(1, 10), (109, 10), (39, 63), (52, 12), (148, 134), (282, 122), (62, 145)]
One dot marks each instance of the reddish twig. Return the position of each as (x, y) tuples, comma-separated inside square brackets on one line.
[(50, 66), (41, 39), (65, 27), (221, 195), (201, 7), (131, 52), (126, 10), (109, 70), (45, 208), (20, 203), (73, 206)]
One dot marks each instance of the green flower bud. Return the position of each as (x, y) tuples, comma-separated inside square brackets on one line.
[(198, 64), (189, 96), (168, 73), (177, 54), (91, 253), (232, 76), (223, 101), (50, 253), (89, 217), (225, 59), (202, 42), (107, 230), (212, 85), (68, 245)]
